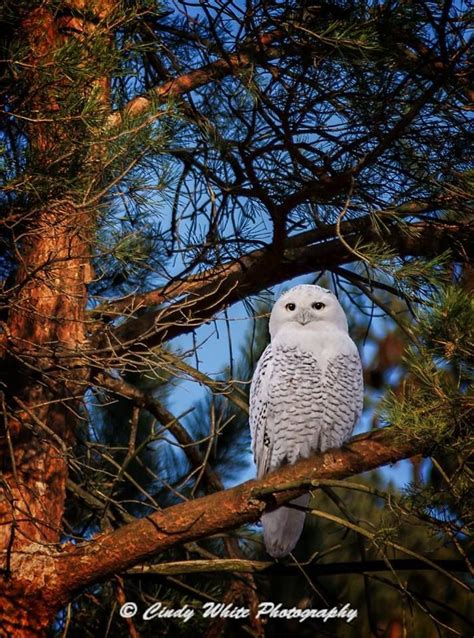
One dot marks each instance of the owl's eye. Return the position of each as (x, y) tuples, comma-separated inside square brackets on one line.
[(318, 305), (290, 306)]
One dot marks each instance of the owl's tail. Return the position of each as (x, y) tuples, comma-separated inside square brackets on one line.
[(282, 527)]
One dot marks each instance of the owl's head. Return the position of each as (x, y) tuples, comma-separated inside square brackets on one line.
[(307, 307)]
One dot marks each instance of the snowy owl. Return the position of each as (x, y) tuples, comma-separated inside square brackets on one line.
[(306, 395)]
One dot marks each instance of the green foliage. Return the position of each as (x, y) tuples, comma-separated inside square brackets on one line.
[(435, 406), (448, 330), (436, 401)]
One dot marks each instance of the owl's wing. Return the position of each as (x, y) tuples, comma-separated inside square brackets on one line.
[(259, 412), (344, 397)]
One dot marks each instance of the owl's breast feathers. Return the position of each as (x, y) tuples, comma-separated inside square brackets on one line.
[(304, 399)]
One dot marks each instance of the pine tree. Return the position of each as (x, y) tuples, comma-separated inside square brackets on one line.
[(160, 163)]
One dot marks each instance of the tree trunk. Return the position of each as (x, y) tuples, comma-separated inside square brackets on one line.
[(45, 331)]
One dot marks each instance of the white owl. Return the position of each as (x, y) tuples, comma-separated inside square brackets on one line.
[(306, 395)]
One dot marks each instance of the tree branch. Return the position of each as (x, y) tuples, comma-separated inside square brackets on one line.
[(270, 567), (154, 407), (305, 253), (242, 58), (424, 63), (177, 288), (82, 565)]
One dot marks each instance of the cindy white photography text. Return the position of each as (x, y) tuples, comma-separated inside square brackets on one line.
[(220, 610)]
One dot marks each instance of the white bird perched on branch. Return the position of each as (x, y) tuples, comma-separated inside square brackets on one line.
[(306, 395)]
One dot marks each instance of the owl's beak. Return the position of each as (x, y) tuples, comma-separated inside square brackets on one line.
[(304, 317)]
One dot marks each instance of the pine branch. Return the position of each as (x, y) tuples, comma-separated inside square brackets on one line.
[(136, 542), (270, 567), (241, 59), (188, 445), (316, 250), (177, 288), (145, 400), (424, 63)]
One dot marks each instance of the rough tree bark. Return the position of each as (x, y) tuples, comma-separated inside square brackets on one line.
[(47, 319)]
